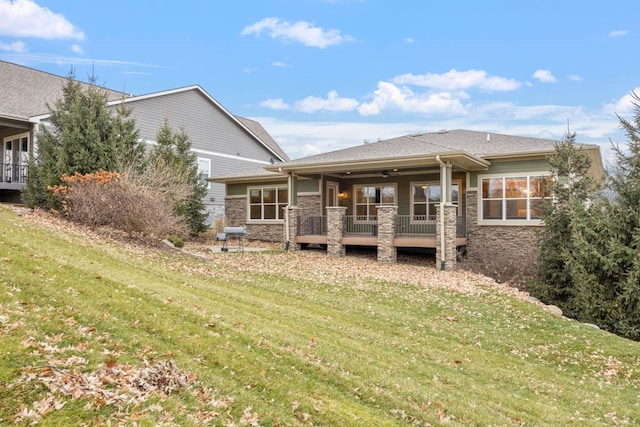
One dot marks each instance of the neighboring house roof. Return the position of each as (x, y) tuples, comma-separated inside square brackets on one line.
[(470, 150), (252, 127), (25, 92), (261, 132)]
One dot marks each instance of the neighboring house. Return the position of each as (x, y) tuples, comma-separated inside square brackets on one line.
[(223, 142), (389, 194)]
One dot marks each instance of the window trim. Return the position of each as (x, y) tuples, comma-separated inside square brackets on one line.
[(458, 204), (504, 221), (278, 213), (355, 200), (199, 159)]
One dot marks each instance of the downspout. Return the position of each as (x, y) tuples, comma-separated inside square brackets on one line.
[(287, 236), (443, 184)]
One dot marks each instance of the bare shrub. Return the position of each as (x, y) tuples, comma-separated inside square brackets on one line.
[(135, 202)]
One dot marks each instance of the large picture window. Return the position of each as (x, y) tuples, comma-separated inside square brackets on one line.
[(369, 196), (267, 203), (425, 197), (515, 198)]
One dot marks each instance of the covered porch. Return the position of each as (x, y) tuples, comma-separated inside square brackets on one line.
[(387, 204)]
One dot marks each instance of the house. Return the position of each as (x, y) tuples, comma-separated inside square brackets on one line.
[(224, 143), (449, 191)]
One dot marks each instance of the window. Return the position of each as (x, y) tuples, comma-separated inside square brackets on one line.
[(368, 197), (515, 198), (204, 168), (425, 197), (267, 203)]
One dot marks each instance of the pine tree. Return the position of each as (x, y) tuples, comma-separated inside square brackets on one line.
[(572, 187), (174, 149), (606, 261), (84, 136)]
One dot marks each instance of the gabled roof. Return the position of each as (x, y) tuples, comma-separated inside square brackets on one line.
[(25, 92), (471, 150), (466, 150), (253, 128), (261, 132)]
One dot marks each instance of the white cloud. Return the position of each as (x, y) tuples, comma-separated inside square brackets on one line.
[(623, 106), (409, 40), (458, 80), (390, 96), (77, 49), (18, 46), (545, 76), (333, 102), (280, 64), (275, 104), (574, 77), (25, 18), (300, 31), (618, 33)]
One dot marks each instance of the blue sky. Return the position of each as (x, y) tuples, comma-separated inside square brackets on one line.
[(327, 74)]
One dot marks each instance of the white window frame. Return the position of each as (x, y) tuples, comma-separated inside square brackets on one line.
[(504, 221), (457, 182), (369, 219), (279, 213), (208, 161)]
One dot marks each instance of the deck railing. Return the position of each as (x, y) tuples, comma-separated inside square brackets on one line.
[(356, 224), (411, 225), (312, 225), (461, 226), (16, 173), (405, 225), (425, 225)]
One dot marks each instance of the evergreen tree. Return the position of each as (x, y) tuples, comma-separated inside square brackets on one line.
[(572, 186), (174, 149), (84, 136), (606, 261)]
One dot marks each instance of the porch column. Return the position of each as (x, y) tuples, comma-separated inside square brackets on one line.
[(335, 230), (387, 252), (446, 222), (291, 227)]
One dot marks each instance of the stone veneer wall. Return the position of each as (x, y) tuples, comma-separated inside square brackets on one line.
[(387, 252), (236, 214), (450, 250), (498, 247), (310, 204)]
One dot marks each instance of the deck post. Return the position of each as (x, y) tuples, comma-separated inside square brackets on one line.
[(449, 216), (292, 213), (387, 252), (335, 230)]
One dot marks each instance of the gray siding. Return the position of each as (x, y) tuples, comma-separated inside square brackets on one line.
[(213, 133)]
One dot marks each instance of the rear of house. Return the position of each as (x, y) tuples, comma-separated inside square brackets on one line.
[(451, 191)]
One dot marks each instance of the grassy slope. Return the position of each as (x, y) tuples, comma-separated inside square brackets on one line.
[(274, 350)]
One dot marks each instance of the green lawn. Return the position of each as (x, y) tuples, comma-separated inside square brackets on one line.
[(88, 327)]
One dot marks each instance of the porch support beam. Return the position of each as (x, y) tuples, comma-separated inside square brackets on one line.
[(335, 230), (387, 252), (446, 218), (291, 222)]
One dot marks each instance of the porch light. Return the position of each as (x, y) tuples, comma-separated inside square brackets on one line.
[(342, 195)]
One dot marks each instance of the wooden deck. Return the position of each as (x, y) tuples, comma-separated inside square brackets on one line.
[(368, 240)]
